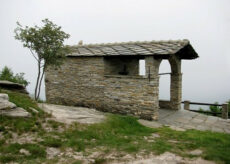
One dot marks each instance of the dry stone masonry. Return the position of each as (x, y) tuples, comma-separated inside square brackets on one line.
[(106, 77)]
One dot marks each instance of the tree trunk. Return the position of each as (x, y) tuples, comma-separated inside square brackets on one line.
[(40, 83), (38, 79)]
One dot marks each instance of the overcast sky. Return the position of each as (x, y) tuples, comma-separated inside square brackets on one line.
[(206, 23)]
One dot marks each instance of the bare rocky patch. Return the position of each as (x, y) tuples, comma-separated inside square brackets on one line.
[(68, 114)]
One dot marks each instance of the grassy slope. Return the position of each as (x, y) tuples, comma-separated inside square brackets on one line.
[(119, 133)]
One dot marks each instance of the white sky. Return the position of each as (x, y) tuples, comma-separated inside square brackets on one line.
[(206, 23)]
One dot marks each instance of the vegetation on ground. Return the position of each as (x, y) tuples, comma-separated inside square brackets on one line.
[(117, 133), (7, 74)]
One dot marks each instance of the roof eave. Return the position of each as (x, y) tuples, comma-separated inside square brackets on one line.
[(187, 53)]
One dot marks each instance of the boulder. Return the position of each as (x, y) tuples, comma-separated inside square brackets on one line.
[(15, 112), (4, 96), (4, 102), (34, 110), (5, 105), (12, 86), (8, 108), (25, 152)]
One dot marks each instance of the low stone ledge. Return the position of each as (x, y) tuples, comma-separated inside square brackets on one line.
[(126, 77), (166, 104), (4, 84)]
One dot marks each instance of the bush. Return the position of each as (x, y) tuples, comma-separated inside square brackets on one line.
[(215, 109), (7, 74)]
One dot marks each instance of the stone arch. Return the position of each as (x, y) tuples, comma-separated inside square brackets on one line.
[(175, 84), (164, 80), (175, 64)]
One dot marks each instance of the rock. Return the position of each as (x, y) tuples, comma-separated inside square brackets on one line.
[(176, 128), (196, 152), (5, 105), (34, 110), (10, 109), (25, 152), (52, 152), (16, 112), (4, 96), (4, 102), (151, 124), (128, 157), (24, 138), (12, 86), (69, 114), (155, 135)]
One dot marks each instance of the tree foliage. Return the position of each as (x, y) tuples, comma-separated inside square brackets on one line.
[(46, 44), (7, 74)]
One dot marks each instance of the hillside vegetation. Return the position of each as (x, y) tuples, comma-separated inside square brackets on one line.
[(28, 140)]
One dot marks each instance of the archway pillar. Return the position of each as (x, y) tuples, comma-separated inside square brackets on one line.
[(152, 68), (176, 83), (176, 91)]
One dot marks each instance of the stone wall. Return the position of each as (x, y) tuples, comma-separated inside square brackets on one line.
[(81, 81), (95, 82), (131, 95), (78, 82)]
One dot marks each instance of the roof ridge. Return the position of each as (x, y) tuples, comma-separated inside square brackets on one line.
[(183, 41), (141, 48)]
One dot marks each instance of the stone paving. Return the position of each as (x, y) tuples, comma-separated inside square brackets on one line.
[(183, 119)]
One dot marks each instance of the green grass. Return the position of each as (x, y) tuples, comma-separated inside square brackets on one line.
[(21, 125), (121, 132), (11, 152), (117, 133), (216, 146), (77, 162), (51, 142)]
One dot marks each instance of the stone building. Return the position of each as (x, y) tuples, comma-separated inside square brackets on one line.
[(106, 77)]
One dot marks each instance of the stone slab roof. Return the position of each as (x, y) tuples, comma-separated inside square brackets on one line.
[(145, 48)]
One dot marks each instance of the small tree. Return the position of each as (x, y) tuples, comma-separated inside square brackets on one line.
[(46, 46)]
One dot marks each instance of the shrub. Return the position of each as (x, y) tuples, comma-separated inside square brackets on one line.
[(7, 74), (215, 109)]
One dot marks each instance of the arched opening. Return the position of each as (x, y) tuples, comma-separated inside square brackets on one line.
[(170, 87), (164, 80)]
